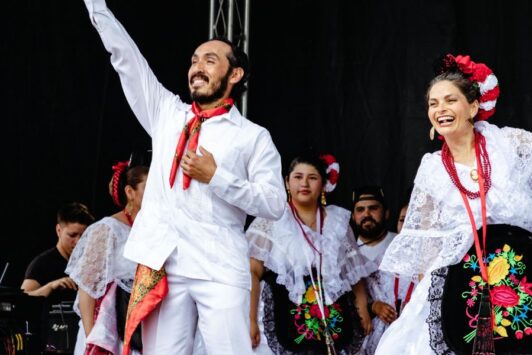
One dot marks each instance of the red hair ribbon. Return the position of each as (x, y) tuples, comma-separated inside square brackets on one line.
[(117, 171)]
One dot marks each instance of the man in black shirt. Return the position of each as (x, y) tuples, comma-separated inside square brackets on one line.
[(46, 273)]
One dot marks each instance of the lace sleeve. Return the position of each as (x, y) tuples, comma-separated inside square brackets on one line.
[(259, 238), (436, 231), (91, 263), (353, 265), (521, 144)]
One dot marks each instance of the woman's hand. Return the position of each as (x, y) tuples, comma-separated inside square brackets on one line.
[(384, 311), (365, 321), (255, 334)]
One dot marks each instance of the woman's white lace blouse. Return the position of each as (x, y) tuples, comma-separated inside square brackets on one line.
[(437, 231)]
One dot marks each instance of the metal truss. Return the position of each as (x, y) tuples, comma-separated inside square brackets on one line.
[(230, 19)]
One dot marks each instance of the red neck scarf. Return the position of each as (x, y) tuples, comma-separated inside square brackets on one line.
[(191, 133)]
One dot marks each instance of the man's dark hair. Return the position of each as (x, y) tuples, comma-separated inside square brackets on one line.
[(74, 212), (237, 59)]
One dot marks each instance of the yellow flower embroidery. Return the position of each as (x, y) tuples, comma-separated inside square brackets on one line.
[(476, 278), (497, 270), (310, 295), (501, 331)]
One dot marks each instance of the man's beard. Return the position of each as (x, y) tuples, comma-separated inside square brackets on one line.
[(372, 232), (216, 95)]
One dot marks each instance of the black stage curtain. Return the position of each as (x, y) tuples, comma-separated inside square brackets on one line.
[(345, 77)]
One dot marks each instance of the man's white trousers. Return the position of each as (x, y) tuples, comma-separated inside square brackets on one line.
[(220, 312)]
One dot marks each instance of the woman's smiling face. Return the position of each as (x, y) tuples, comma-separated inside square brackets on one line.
[(448, 109)]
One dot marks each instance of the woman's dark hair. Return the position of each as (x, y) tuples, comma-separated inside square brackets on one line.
[(312, 160), (129, 176), (237, 59), (468, 88)]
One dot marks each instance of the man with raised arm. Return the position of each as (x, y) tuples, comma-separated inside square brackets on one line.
[(210, 167)]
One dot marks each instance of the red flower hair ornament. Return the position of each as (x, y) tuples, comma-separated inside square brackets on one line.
[(333, 170), (480, 74)]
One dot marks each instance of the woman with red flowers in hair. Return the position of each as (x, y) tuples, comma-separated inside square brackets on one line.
[(104, 277), (311, 270), (467, 231)]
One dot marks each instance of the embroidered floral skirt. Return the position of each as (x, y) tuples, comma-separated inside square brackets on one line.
[(455, 291), (298, 329)]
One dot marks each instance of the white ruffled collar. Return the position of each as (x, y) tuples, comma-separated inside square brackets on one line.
[(289, 238)]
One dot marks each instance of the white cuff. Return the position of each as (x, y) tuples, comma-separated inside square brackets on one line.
[(221, 181)]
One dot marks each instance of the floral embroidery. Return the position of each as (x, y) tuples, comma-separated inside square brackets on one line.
[(146, 280), (308, 321), (511, 294)]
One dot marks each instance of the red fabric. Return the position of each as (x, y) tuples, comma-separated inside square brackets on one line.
[(92, 349), (117, 170), (477, 72), (191, 133), (149, 289), (466, 65), (490, 95), (332, 176)]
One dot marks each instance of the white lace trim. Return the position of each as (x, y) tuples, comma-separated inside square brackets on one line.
[(97, 259), (437, 231), (283, 249)]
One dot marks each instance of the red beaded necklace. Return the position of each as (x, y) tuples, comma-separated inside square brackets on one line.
[(485, 166)]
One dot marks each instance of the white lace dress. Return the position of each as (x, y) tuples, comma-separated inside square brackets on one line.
[(437, 230), (98, 267), (283, 249)]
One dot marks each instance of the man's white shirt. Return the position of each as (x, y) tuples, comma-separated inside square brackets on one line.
[(205, 222)]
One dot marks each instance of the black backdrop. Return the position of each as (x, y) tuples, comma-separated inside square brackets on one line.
[(347, 77)]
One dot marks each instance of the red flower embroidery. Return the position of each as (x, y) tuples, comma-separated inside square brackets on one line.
[(525, 287), (316, 313), (504, 296)]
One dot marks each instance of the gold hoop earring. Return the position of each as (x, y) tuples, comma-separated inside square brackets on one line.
[(323, 199), (432, 132), (289, 195)]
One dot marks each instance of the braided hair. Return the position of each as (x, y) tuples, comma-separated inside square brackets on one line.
[(124, 175)]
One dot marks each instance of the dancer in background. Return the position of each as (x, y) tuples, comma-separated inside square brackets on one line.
[(103, 275), (313, 291)]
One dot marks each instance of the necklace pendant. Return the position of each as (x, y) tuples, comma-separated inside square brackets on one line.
[(474, 175)]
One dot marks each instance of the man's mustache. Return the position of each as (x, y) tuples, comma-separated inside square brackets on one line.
[(367, 219), (199, 76)]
